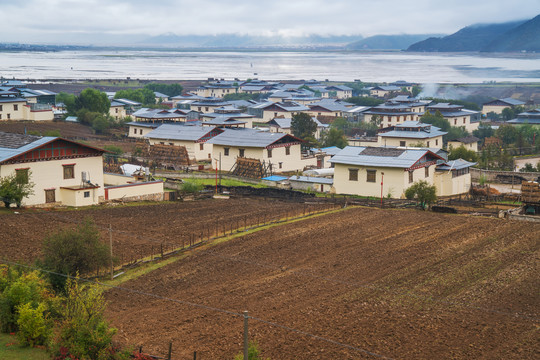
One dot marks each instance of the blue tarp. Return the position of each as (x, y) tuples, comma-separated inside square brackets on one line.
[(275, 178)]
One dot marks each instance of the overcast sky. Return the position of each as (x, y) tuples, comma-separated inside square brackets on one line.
[(53, 21)]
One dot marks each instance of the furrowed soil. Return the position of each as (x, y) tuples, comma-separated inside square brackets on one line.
[(366, 282), (138, 231)]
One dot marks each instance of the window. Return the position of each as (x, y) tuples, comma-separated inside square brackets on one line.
[(464, 120), (455, 121), (69, 171), (280, 165), (135, 131), (171, 144), (287, 150), (50, 196), (9, 116), (1, 107), (87, 194), (371, 175), (22, 175), (201, 146), (427, 144), (402, 143), (353, 174), (411, 176), (427, 171), (206, 108), (241, 152), (436, 142), (226, 151), (141, 131), (15, 107), (269, 153)]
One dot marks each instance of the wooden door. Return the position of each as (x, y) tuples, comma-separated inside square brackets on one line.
[(50, 196)]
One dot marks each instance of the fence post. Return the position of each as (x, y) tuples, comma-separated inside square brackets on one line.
[(245, 336), (170, 351), (110, 243)]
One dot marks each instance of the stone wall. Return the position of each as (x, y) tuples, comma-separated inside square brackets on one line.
[(491, 175)]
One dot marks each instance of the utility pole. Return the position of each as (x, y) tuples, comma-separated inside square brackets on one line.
[(110, 245), (246, 354)]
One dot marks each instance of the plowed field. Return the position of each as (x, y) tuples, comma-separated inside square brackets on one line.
[(138, 230), (397, 283)]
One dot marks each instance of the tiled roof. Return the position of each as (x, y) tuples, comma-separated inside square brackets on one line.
[(179, 132), (380, 156), (249, 138)]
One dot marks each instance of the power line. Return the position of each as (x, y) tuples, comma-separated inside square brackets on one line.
[(201, 306)]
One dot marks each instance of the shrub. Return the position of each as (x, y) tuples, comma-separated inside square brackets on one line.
[(34, 325), (83, 332), (14, 188), (191, 187), (424, 193), (20, 290), (253, 353)]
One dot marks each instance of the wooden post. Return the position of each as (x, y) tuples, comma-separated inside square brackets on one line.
[(170, 351), (246, 335), (110, 245), (161, 245), (245, 222)]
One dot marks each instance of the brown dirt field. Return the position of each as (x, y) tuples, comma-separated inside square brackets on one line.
[(137, 230), (399, 283)]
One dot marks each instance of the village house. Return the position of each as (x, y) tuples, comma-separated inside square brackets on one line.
[(333, 91), (278, 151), (286, 109), (208, 105), (383, 90), (193, 137), (411, 133), (184, 101), (531, 117), (147, 119), (403, 85), (497, 106), (372, 171), (456, 115), (218, 89), (228, 116), (413, 103), (329, 108), (14, 107), (390, 114), (288, 94), (63, 171), (117, 110), (469, 142)]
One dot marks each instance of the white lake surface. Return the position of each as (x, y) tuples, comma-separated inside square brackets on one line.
[(369, 67)]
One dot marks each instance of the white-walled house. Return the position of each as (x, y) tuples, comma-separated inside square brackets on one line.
[(281, 150), (411, 133), (63, 171), (193, 137), (367, 171), (283, 125)]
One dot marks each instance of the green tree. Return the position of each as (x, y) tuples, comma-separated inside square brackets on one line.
[(92, 100), (462, 153), (493, 116), (530, 168), (340, 123), (376, 120), (68, 100), (334, 137), (365, 101), (483, 131), (74, 250), (507, 133), (416, 90), (167, 89), (144, 96), (14, 188), (303, 126), (424, 193), (436, 120)]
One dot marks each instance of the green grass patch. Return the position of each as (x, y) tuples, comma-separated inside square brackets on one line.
[(224, 182), (10, 350)]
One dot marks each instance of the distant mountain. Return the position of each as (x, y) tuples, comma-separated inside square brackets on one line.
[(237, 40), (525, 37), (387, 42), (470, 38)]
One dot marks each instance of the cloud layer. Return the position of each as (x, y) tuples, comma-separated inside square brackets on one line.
[(87, 21)]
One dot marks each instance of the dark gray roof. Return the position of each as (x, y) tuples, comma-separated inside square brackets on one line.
[(249, 138), (467, 139), (455, 165), (380, 156), (179, 132), (15, 141)]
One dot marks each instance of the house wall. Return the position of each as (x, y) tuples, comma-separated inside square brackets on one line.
[(8, 111), (138, 131), (50, 175), (72, 197), (205, 109), (493, 108), (117, 179), (38, 115), (117, 112), (455, 144), (448, 185), (215, 92), (395, 181), (291, 162), (436, 141), (302, 185), (135, 192), (391, 120), (193, 148), (270, 114), (324, 113)]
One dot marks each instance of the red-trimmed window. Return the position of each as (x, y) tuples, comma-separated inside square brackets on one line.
[(69, 171)]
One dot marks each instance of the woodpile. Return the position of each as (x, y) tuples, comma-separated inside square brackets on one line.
[(250, 168), (168, 155), (530, 192)]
